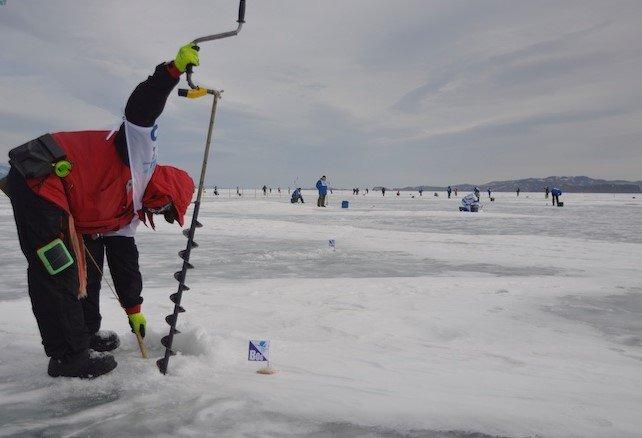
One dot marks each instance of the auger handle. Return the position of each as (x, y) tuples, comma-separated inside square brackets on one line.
[(241, 19), (193, 93), (189, 69), (241, 12)]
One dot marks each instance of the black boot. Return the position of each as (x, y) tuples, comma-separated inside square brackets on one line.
[(85, 365), (104, 340)]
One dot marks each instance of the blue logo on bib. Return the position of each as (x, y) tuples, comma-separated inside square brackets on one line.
[(153, 133)]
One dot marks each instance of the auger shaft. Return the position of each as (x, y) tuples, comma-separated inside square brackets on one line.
[(167, 341), (194, 92)]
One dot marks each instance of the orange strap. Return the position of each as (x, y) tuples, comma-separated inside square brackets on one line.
[(79, 252)]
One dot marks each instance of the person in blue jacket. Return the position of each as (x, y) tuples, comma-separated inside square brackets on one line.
[(556, 193), (296, 196), (322, 187)]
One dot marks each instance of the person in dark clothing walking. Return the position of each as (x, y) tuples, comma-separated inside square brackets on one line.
[(546, 191), (383, 191), (449, 190), (476, 192), (100, 185), (322, 187), (518, 192), (264, 190)]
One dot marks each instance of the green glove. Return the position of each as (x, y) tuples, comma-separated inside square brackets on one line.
[(186, 55), (137, 322)]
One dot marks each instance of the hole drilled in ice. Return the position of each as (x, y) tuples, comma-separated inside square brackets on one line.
[(193, 342)]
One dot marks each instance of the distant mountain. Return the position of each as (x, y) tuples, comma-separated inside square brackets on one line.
[(573, 184)]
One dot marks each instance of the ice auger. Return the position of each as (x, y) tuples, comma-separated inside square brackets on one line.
[(194, 92)]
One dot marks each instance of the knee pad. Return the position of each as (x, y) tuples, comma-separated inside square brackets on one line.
[(55, 257)]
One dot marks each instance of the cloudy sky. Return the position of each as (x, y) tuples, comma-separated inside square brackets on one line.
[(369, 92)]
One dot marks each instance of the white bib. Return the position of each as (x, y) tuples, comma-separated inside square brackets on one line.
[(141, 148)]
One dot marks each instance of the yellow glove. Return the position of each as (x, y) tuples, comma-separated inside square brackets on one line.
[(188, 54), (137, 322)]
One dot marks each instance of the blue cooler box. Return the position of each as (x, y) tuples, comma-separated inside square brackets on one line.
[(344, 204)]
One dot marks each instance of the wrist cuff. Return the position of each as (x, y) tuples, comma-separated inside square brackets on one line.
[(173, 71), (132, 310)]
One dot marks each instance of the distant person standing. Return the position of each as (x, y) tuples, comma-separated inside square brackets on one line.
[(489, 192), (383, 191), (278, 190), (455, 192), (476, 191), (449, 190), (556, 193), (322, 187), (546, 192), (264, 190), (398, 194), (421, 192), (518, 192), (215, 190)]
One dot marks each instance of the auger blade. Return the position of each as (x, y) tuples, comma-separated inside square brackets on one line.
[(183, 254), (186, 232), (197, 224), (174, 331), (178, 275), (183, 287), (174, 297), (171, 320), (193, 244), (162, 365), (181, 309), (188, 265), (166, 344)]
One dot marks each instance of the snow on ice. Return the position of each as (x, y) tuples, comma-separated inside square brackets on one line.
[(521, 320)]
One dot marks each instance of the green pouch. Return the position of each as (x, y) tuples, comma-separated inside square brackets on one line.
[(55, 256)]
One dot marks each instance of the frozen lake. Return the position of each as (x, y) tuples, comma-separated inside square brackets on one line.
[(521, 320)]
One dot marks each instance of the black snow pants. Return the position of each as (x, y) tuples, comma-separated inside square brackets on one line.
[(54, 298), (321, 201), (122, 258)]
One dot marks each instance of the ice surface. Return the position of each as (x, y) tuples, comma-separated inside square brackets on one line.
[(521, 320)]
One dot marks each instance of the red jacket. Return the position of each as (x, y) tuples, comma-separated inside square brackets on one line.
[(97, 192)]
